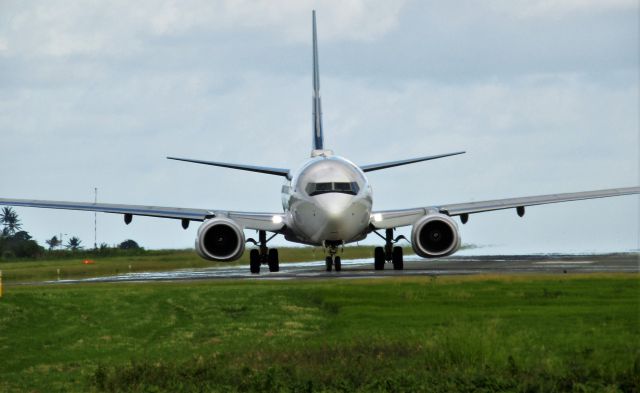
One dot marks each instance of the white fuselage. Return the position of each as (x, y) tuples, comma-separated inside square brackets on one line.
[(328, 200)]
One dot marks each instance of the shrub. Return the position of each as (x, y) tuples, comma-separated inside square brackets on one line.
[(129, 245)]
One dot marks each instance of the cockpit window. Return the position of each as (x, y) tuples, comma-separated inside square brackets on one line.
[(323, 188)]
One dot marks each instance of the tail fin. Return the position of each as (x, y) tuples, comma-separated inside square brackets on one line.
[(318, 137)]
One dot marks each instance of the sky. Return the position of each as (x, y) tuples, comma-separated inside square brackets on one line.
[(542, 94)]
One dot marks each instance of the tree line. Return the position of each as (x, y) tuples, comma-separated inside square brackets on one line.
[(16, 243)]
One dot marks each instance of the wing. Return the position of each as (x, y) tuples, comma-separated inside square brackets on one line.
[(398, 218), (260, 221)]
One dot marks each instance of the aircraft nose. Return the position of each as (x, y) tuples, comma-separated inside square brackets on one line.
[(334, 206), (333, 216)]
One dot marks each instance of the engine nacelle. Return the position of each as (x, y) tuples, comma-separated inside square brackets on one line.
[(220, 239), (435, 235)]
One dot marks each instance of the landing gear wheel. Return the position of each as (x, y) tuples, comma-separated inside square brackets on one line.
[(254, 261), (337, 263), (328, 263), (398, 263), (378, 258), (273, 260)]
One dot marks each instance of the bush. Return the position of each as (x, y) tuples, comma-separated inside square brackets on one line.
[(129, 245), (19, 247)]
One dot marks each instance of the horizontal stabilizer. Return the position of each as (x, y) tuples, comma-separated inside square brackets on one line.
[(391, 164), (242, 167)]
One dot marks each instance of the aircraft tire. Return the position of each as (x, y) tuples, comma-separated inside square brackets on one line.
[(273, 260), (337, 264), (328, 263), (378, 258), (254, 261), (398, 263)]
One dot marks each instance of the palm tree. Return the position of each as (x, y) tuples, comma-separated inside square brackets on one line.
[(74, 244), (9, 218), (53, 242)]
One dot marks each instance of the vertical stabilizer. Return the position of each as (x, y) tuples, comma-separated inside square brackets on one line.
[(318, 137)]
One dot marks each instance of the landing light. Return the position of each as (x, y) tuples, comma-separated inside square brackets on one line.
[(276, 219), (377, 217)]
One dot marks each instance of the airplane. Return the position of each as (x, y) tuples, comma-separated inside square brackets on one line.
[(326, 202)]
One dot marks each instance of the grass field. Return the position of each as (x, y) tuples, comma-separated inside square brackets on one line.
[(481, 333), (160, 260)]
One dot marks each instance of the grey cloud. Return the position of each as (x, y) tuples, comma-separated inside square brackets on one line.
[(543, 103)]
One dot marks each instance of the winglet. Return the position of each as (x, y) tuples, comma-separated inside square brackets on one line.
[(318, 137)]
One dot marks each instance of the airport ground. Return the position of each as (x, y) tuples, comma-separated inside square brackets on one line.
[(436, 333), (70, 266), (297, 263)]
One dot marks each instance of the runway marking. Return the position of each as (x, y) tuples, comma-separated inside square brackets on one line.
[(564, 263), (362, 269)]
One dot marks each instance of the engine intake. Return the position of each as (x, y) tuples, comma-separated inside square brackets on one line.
[(435, 235), (220, 239)]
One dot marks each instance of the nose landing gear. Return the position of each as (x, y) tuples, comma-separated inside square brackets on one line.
[(388, 253), (263, 255), (332, 261)]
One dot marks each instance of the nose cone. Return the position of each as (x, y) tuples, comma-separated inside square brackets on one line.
[(334, 206), (338, 214), (332, 216)]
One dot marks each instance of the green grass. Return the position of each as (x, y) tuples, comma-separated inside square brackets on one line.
[(161, 260), (482, 333)]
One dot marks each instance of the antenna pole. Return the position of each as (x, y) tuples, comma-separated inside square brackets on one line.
[(95, 219)]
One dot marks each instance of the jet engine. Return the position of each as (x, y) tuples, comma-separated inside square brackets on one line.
[(220, 239), (435, 235)]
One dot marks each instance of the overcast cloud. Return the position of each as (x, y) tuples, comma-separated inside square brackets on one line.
[(543, 95)]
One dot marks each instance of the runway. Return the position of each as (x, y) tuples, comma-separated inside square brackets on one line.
[(414, 266)]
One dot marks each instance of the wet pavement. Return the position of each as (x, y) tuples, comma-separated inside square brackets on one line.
[(414, 266)]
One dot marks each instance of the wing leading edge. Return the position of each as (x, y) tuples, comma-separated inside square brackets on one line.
[(398, 218), (259, 221)]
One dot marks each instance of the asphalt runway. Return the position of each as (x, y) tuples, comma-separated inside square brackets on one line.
[(414, 266)]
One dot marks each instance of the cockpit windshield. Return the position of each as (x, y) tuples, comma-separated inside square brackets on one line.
[(323, 188)]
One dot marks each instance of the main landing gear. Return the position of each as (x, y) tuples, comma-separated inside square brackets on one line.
[(332, 261), (388, 253), (263, 255)]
